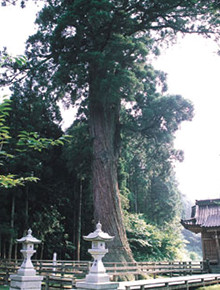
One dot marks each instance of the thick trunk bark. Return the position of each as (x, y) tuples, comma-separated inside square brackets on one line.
[(104, 130)]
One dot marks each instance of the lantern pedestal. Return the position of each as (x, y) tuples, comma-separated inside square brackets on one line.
[(97, 273), (25, 282)]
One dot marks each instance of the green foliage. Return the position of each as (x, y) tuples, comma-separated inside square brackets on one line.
[(10, 180), (25, 141), (153, 243), (49, 227), (4, 130), (6, 180), (6, 59), (56, 184), (193, 243), (146, 175), (194, 256), (33, 141), (165, 197), (31, 163)]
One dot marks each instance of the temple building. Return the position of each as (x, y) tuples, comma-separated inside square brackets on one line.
[(205, 219)]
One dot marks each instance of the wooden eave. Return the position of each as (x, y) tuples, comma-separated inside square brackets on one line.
[(191, 227)]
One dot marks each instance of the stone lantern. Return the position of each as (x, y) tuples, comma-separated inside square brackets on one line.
[(26, 276), (97, 277)]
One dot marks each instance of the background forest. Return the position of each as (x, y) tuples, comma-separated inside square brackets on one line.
[(59, 206)]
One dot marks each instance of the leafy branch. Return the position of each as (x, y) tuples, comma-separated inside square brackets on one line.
[(33, 141), (11, 180), (26, 141)]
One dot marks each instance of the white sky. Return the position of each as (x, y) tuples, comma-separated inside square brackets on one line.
[(193, 69)]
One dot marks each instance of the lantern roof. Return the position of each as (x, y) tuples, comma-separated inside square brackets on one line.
[(29, 239), (98, 235)]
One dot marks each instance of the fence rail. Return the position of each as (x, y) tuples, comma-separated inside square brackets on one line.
[(187, 282), (62, 274)]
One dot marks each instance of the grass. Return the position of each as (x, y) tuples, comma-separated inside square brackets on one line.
[(4, 287)]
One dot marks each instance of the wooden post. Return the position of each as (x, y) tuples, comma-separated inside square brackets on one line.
[(171, 270), (47, 283), (203, 246), (62, 269), (40, 267), (190, 268), (187, 285), (6, 276), (54, 263), (217, 246)]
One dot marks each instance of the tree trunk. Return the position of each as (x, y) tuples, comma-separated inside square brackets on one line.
[(12, 226), (26, 193), (16, 252), (0, 246), (42, 251), (74, 222), (79, 222), (4, 249), (104, 130)]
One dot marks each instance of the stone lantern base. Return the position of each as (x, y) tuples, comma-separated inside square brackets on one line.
[(97, 286), (25, 282)]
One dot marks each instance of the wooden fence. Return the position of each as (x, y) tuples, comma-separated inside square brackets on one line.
[(62, 274), (154, 269), (186, 282)]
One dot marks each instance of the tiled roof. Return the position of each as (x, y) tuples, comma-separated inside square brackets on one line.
[(212, 221), (206, 213)]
